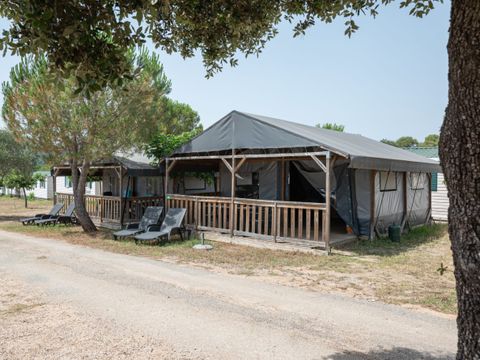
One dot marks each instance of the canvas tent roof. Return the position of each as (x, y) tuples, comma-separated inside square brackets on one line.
[(136, 164), (239, 130)]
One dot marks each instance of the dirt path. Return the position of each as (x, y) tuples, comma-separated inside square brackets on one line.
[(120, 304)]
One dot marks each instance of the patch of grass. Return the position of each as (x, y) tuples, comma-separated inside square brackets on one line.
[(409, 241), (18, 308)]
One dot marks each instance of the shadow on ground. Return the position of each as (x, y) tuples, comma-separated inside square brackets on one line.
[(397, 353), (12, 217), (385, 247)]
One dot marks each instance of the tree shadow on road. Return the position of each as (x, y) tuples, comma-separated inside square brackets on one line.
[(12, 217), (396, 353)]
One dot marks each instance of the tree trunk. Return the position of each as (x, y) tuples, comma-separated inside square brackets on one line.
[(460, 158), (79, 181), (25, 197)]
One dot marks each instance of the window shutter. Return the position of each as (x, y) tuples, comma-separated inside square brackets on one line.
[(434, 181)]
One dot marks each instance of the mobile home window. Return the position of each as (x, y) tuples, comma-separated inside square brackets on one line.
[(417, 181), (68, 182), (41, 184), (388, 181)]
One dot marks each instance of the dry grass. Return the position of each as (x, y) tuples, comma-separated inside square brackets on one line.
[(400, 273)]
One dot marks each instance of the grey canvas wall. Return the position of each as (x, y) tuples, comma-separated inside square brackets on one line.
[(268, 173), (389, 204)]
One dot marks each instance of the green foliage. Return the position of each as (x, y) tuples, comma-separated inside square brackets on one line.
[(389, 142), (31, 196), (431, 140), (67, 125), (17, 180), (89, 39), (442, 269), (332, 126), (15, 156), (178, 118), (164, 144), (406, 141)]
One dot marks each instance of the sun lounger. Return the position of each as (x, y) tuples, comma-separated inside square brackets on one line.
[(53, 212), (67, 219), (172, 222), (150, 217)]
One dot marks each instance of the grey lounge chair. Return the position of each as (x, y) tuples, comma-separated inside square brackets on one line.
[(172, 222), (150, 217), (53, 212), (67, 219)]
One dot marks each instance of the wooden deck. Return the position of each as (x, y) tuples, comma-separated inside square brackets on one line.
[(275, 221), (111, 210)]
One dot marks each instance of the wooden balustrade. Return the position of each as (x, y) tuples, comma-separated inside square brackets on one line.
[(277, 220), (109, 208)]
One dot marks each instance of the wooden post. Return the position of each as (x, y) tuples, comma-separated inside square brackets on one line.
[(232, 197), (405, 201), (120, 175), (373, 214), (327, 203), (165, 191), (274, 222), (283, 185), (54, 186)]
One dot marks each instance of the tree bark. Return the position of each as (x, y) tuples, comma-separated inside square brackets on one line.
[(460, 158), (79, 180), (25, 197)]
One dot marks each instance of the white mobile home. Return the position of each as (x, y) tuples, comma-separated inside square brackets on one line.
[(440, 202)]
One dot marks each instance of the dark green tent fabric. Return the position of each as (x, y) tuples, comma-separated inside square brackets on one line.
[(257, 133)]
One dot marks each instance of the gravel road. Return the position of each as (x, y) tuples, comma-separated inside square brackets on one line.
[(125, 305)]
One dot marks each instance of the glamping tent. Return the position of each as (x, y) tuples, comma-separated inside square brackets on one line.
[(128, 184), (364, 185)]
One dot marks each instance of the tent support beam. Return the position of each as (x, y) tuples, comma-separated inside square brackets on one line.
[(232, 193), (326, 229), (165, 191), (251, 156), (373, 221), (227, 164), (319, 163), (240, 163), (120, 176)]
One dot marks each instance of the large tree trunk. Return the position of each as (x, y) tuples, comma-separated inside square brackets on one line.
[(79, 180), (460, 157), (25, 197)]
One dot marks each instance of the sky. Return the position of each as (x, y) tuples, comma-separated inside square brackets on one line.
[(387, 81)]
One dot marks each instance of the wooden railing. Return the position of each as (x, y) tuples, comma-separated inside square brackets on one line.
[(277, 220), (109, 208)]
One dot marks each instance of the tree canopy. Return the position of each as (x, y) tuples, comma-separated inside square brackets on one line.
[(90, 38), (409, 141), (431, 140), (332, 126), (15, 156), (163, 144), (72, 128)]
